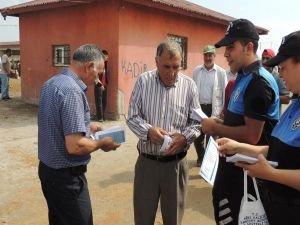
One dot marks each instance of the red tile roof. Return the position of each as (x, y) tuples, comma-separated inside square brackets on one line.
[(9, 44), (178, 6)]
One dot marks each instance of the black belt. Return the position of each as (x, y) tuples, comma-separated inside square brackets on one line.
[(161, 158), (75, 170)]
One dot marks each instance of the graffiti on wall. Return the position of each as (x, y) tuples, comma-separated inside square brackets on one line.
[(133, 68)]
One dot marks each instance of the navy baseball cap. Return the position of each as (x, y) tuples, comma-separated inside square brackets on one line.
[(237, 29), (290, 47)]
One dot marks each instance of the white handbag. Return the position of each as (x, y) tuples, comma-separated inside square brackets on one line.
[(252, 212)]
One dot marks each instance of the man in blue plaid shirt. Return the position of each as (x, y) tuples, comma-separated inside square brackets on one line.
[(64, 145)]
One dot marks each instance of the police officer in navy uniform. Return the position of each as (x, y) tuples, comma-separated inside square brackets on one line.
[(252, 113), (281, 186)]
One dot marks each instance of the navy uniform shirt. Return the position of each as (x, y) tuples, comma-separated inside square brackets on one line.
[(255, 95), (285, 148), (63, 110)]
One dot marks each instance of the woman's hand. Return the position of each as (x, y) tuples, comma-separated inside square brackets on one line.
[(227, 146), (262, 169)]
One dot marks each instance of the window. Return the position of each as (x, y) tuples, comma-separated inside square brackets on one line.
[(182, 41), (61, 55)]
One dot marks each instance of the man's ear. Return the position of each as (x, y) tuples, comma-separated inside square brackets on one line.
[(250, 47), (89, 66), (156, 60)]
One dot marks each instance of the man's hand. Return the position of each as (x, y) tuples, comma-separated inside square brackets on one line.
[(156, 135), (217, 119), (95, 127), (108, 144), (178, 143), (208, 126)]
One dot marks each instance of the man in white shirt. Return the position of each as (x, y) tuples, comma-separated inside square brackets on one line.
[(5, 72), (211, 81)]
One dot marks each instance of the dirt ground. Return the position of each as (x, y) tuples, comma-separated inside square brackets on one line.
[(110, 175)]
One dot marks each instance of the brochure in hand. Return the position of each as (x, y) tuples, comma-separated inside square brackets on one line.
[(116, 132), (165, 145), (198, 114), (246, 159), (210, 162)]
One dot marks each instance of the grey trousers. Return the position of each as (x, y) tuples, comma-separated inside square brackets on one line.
[(164, 181)]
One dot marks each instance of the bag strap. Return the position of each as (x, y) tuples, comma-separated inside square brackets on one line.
[(246, 187), (256, 189)]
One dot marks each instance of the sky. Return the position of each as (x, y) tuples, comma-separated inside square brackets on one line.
[(279, 17)]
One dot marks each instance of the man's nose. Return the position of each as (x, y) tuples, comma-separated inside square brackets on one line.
[(226, 53)]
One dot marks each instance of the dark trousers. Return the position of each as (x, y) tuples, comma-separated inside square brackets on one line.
[(199, 142), (98, 93), (67, 196), (228, 191), (104, 101), (280, 210)]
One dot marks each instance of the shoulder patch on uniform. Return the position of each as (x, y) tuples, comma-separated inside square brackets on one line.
[(296, 124)]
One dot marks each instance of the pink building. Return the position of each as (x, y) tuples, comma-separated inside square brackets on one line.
[(130, 30)]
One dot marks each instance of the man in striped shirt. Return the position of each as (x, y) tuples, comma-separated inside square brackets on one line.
[(160, 106)]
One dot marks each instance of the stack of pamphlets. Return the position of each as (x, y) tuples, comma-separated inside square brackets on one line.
[(246, 159), (117, 133)]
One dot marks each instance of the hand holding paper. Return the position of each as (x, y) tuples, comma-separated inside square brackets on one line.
[(198, 114), (165, 145), (108, 144), (261, 169), (117, 133), (177, 144), (246, 159), (210, 162), (156, 135)]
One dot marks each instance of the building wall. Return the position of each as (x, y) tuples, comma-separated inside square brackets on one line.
[(129, 32), (76, 25), (138, 42)]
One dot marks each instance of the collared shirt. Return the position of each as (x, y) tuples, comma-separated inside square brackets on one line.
[(153, 104), (211, 87), (63, 110), (205, 82)]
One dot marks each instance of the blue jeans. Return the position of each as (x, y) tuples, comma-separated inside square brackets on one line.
[(4, 85)]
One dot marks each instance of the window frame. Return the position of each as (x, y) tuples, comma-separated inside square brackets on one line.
[(64, 59), (183, 42)]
